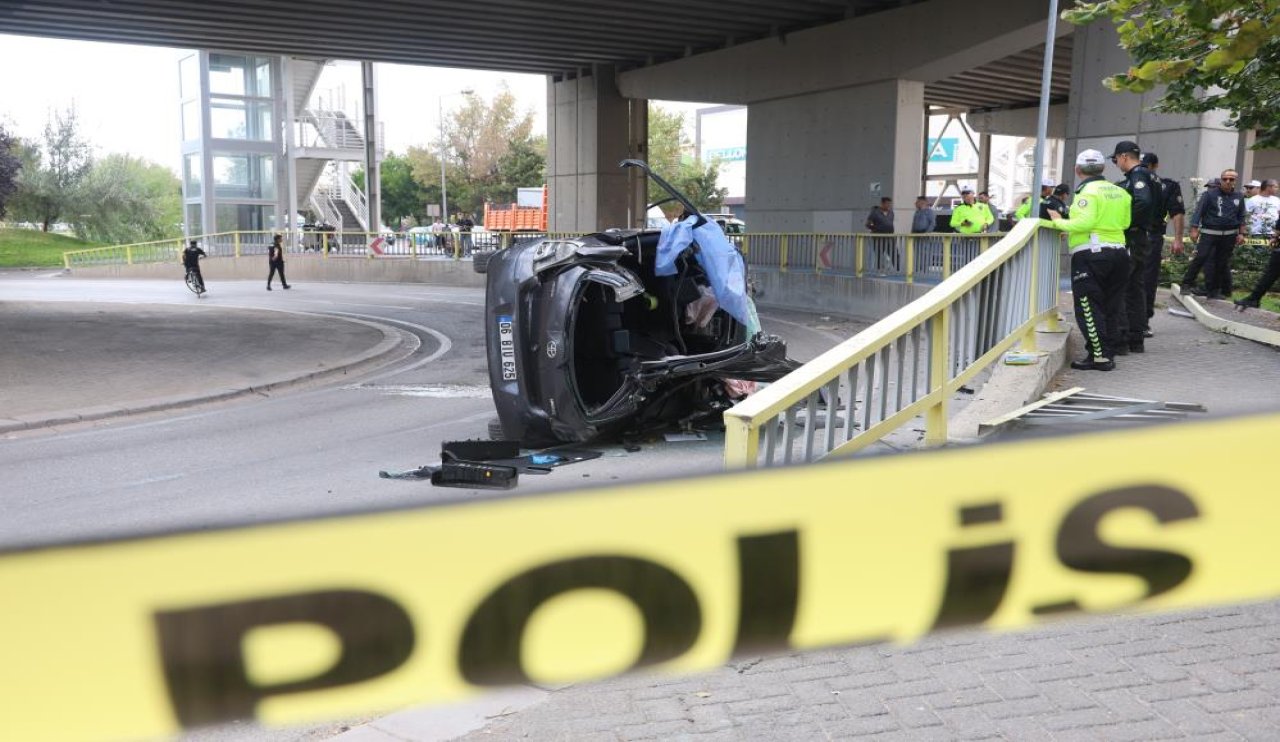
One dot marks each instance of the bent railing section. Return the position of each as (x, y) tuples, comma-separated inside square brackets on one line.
[(905, 366)]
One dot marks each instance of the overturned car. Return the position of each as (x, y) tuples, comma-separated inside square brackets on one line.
[(621, 331)]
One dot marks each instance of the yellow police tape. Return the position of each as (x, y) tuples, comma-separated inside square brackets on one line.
[(340, 616)]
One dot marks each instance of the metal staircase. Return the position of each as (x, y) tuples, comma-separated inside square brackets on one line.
[(328, 141)]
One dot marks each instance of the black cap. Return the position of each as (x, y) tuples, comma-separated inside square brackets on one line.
[(1062, 188), (1149, 158), (192, 243), (1127, 148)]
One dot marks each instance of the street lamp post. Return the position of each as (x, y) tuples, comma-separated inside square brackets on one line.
[(444, 187)]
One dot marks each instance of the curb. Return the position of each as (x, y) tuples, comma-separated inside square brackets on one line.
[(1225, 326), (391, 340), (1010, 387)]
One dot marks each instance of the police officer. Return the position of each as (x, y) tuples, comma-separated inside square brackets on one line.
[(968, 217), (1217, 226), (1141, 185), (1057, 201), (1024, 211), (1100, 265), (1169, 209)]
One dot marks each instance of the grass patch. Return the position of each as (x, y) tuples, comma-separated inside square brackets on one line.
[(31, 248), (1270, 302)]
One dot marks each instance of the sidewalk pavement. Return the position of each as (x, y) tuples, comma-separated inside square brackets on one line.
[(1205, 675), (72, 362)]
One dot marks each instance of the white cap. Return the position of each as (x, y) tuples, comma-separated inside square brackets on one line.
[(1253, 184), (1047, 183), (1090, 157)]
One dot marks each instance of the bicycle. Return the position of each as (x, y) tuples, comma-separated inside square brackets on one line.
[(195, 283)]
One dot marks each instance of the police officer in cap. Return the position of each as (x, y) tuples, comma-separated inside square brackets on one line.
[(1169, 209), (1141, 185), (1100, 266), (1057, 201)]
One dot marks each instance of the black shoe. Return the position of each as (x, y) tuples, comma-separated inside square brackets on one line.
[(1196, 292), (287, 287), (1148, 333), (1137, 346), (268, 288), (1094, 364), (1121, 350), (1247, 303), (1215, 295)]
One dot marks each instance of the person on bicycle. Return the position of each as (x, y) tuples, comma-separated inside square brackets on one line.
[(191, 261)]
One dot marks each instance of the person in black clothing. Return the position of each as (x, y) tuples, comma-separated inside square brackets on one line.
[(191, 261), (1217, 226), (1142, 188), (880, 221), (465, 225), (1056, 201), (1169, 209), (275, 259), (1269, 276)]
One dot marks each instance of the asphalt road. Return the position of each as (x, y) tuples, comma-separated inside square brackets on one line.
[(303, 451)]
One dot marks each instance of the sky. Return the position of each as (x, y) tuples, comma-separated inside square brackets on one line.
[(126, 96)]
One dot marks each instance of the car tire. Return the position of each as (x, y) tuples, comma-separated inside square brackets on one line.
[(495, 430), (480, 261)]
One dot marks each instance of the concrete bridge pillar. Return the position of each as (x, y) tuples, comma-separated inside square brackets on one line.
[(1189, 145), (820, 161), (590, 128)]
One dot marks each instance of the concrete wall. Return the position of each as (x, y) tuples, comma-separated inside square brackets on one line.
[(1188, 144), (589, 130), (866, 298), (302, 269), (815, 159)]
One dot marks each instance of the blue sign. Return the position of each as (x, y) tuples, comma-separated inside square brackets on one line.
[(945, 151), (727, 154)]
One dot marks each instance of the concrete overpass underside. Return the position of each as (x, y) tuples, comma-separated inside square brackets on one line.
[(837, 89)]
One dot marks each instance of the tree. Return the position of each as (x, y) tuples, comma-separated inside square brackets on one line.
[(126, 199), (670, 157), (10, 165), (402, 196), (1211, 54), (482, 138), (47, 187)]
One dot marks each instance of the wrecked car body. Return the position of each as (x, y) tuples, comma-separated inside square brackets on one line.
[(621, 331)]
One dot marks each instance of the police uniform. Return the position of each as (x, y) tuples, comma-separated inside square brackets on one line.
[(1169, 206), (1219, 215), (1143, 192), (975, 213), (1100, 264)]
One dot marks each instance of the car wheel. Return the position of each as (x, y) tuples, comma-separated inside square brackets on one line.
[(495, 430), (480, 261)]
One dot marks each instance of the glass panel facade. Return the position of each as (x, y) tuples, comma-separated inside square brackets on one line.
[(245, 217), (190, 120), (244, 176), (194, 225), (231, 118), (226, 74), (189, 77), (262, 76), (239, 75), (191, 174)]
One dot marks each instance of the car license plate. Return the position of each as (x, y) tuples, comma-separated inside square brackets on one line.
[(507, 347)]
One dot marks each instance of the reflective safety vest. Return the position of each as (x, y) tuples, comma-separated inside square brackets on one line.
[(1100, 214), (977, 214)]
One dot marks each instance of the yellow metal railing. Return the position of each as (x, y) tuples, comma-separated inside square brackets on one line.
[(908, 364), (910, 257), (410, 244)]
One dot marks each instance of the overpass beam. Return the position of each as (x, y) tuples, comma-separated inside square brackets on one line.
[(590, 129), (819, 162)]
